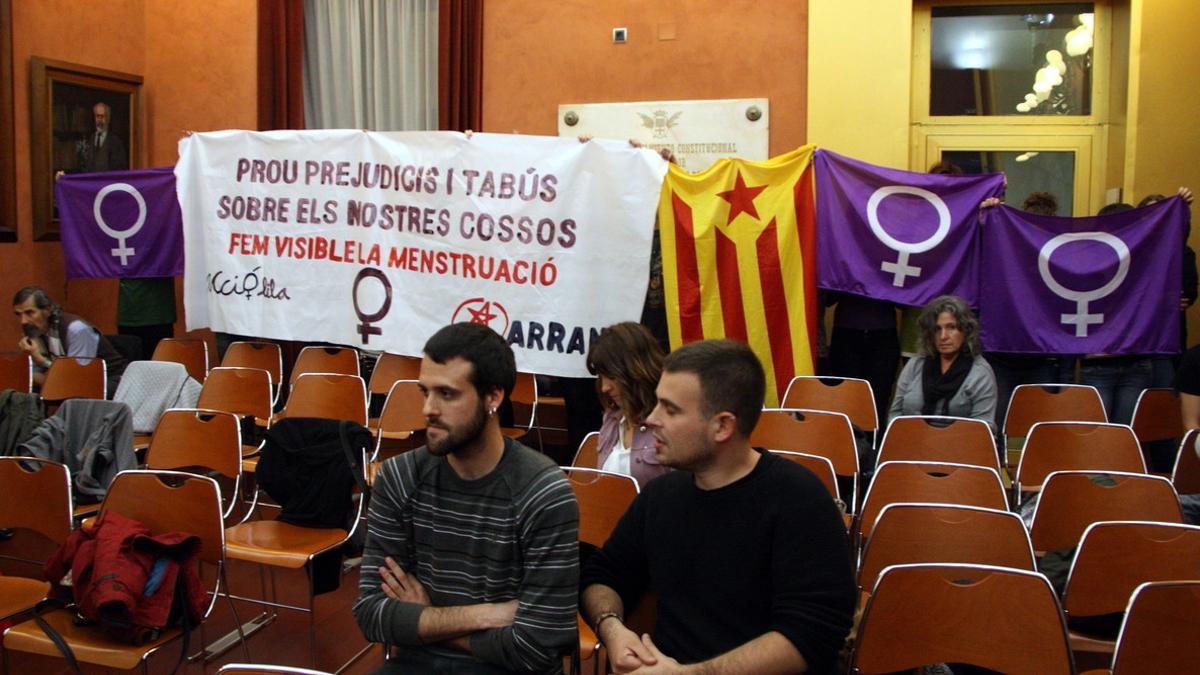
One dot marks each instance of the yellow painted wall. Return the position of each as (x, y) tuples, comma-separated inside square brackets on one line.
[(1163, 143), (860, 78)]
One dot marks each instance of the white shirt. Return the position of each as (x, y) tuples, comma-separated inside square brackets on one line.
[(618, 459)]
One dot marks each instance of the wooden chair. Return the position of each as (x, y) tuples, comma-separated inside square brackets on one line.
[(339, 360), (245, 392), (1076, 446), (1072, 500), (192, 353), (1186, 474), (587, 456), (814, 432), (275, 544), (850, 396), (909, 533), (200, 441), (389, 369), (1033, 403), (929, 482), (1114, 558), (603, 498), (958, 440), (524, 402), (35, 495), (190, 503), (71, 377), (1004, 619), (16, 371), (262, 355), (820, 466), (1157, 416), (401, 421), (328, 395), (1159, 631)]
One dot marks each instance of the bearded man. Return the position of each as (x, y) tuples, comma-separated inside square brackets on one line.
[(471, 562)]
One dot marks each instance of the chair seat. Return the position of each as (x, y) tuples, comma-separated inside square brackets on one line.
[(249, 464), (90, 644), (514, 433), (271, 542), (1081, 642), (18, 594)]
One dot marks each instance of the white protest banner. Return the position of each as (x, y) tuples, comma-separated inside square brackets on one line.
[(379, 239)]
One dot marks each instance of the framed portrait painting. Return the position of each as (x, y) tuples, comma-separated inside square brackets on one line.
[(84, 120)]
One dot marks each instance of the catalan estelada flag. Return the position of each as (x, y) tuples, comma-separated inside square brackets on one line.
[(739, 248)]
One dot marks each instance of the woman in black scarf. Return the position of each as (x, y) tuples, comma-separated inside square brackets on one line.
[(949, 378)]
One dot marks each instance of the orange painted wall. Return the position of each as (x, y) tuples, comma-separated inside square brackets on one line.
[(540, 54), (198, 61)]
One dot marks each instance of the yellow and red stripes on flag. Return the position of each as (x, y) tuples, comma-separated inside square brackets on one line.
[(739, 260)]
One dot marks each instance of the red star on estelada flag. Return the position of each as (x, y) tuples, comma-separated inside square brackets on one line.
[(741, 198)]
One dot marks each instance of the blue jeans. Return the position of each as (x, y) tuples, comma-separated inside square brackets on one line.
[(1120, 380)]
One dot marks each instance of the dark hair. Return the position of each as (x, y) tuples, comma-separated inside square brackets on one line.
[(963, 316), (946, 168), (1117, 207), (629, 355), (492, 361), (731, 378), (1151, 199), (1041, 203), (40, 300)]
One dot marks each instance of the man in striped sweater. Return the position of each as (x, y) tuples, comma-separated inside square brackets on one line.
[(471, 562)]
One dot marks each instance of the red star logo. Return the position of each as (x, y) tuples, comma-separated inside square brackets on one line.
[(741, 198), (483, 315)]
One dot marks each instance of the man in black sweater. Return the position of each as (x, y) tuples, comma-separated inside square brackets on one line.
[(745, 551)]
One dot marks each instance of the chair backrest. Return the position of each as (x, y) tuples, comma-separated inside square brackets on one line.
[(313, 359), (16, 371), (263, 355), (1186, 474), (1077, 446), (1114, 558), (588, 454), (603, 498), (328, 395), (391, 368), (1033, 403), (930, 482), (72, 377), (1072, 500), (245, 392), (524, 400), (814, 432), (908, 533), (851, 396), (821, 467), (957, 440), (402, 411), (190, 352), (170, 501), (1003, 619), (35, 494), (188, 437), (1159, 632), (1157, 415)]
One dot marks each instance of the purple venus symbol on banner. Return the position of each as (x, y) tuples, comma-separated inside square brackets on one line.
[(1081, 318), (900, 269), (122, 251)]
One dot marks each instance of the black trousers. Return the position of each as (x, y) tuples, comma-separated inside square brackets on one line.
[(871, 355)]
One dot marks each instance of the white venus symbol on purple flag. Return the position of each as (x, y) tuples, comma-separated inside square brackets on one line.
[(1081, 318), (122, 251), (901, 269)]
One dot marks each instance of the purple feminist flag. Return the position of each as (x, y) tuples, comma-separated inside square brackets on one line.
[(1097, 285), (897, 235), (120, 224)]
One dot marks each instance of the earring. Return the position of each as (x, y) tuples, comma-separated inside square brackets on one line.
[(491, 412)]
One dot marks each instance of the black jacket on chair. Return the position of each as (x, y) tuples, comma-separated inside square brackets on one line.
[(308, 467)]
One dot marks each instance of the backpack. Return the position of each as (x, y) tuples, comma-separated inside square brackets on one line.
[(120, 577)]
